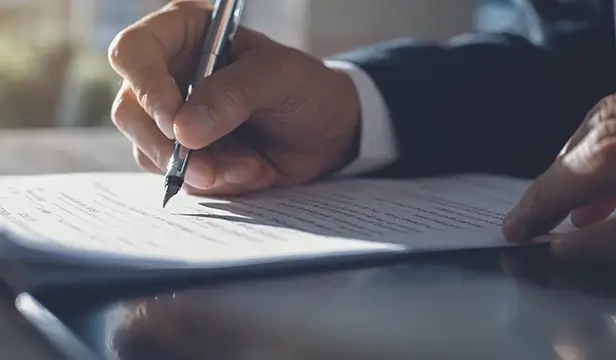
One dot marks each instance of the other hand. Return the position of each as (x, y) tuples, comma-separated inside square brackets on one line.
[(273, 116), (581, 183)]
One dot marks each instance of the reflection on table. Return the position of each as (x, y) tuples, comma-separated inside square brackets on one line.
[(465, 305)]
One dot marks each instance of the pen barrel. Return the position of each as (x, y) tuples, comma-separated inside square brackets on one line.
[(208, 63), (224, 22), (178, 163), (221, 30)]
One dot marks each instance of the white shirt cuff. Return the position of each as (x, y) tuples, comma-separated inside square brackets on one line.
[(378, 146)]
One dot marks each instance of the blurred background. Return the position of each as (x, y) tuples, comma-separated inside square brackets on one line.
[(53, 62)]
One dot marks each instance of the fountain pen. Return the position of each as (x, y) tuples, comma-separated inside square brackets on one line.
[(218, 34)]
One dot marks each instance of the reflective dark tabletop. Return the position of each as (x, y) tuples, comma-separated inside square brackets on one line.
[(492, 304)]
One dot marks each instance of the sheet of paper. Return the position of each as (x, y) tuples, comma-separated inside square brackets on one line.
[(121, 214)]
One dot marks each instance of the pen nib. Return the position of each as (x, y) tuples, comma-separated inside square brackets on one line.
[(171, 191)]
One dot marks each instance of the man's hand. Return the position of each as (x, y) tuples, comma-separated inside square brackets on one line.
[(273, 116), (581, 182)]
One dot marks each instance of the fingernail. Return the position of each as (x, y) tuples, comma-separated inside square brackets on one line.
[(239, 173), (164, 120)]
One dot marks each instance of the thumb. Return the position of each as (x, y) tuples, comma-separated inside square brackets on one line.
[(227, 98)]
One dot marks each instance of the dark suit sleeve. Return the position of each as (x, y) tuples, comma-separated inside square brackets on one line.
[(495, 103)]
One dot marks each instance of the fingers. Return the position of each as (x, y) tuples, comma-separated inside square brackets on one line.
[(144, 161), (238, 170), (595, 243), (145, 53), (545, 204), (593, 118), (580, 177), (150, 110), (226, 168), (141, 53), (132, 121), (227, 98), (594, 212)]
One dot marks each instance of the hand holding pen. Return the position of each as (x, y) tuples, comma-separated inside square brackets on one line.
[(272, 116)]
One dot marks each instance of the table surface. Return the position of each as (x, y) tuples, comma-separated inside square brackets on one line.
[(52, 151), (506, 304), (497, 304), (64, 150)]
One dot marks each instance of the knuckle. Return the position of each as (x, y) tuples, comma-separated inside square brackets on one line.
[(154, 93), (142, 160), (605, 155), (610, 100), (144, 97), (597, 154), (140, 157), (604, 110), (606, 131), (145, 162), (122, 46), (606, 101), (160, 158)]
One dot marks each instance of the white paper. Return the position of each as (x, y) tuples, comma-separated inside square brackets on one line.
[(121, 214)]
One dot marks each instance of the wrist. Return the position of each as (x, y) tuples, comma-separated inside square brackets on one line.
[(376, 145)]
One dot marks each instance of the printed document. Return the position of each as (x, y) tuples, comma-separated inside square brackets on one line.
[(111, 214)]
